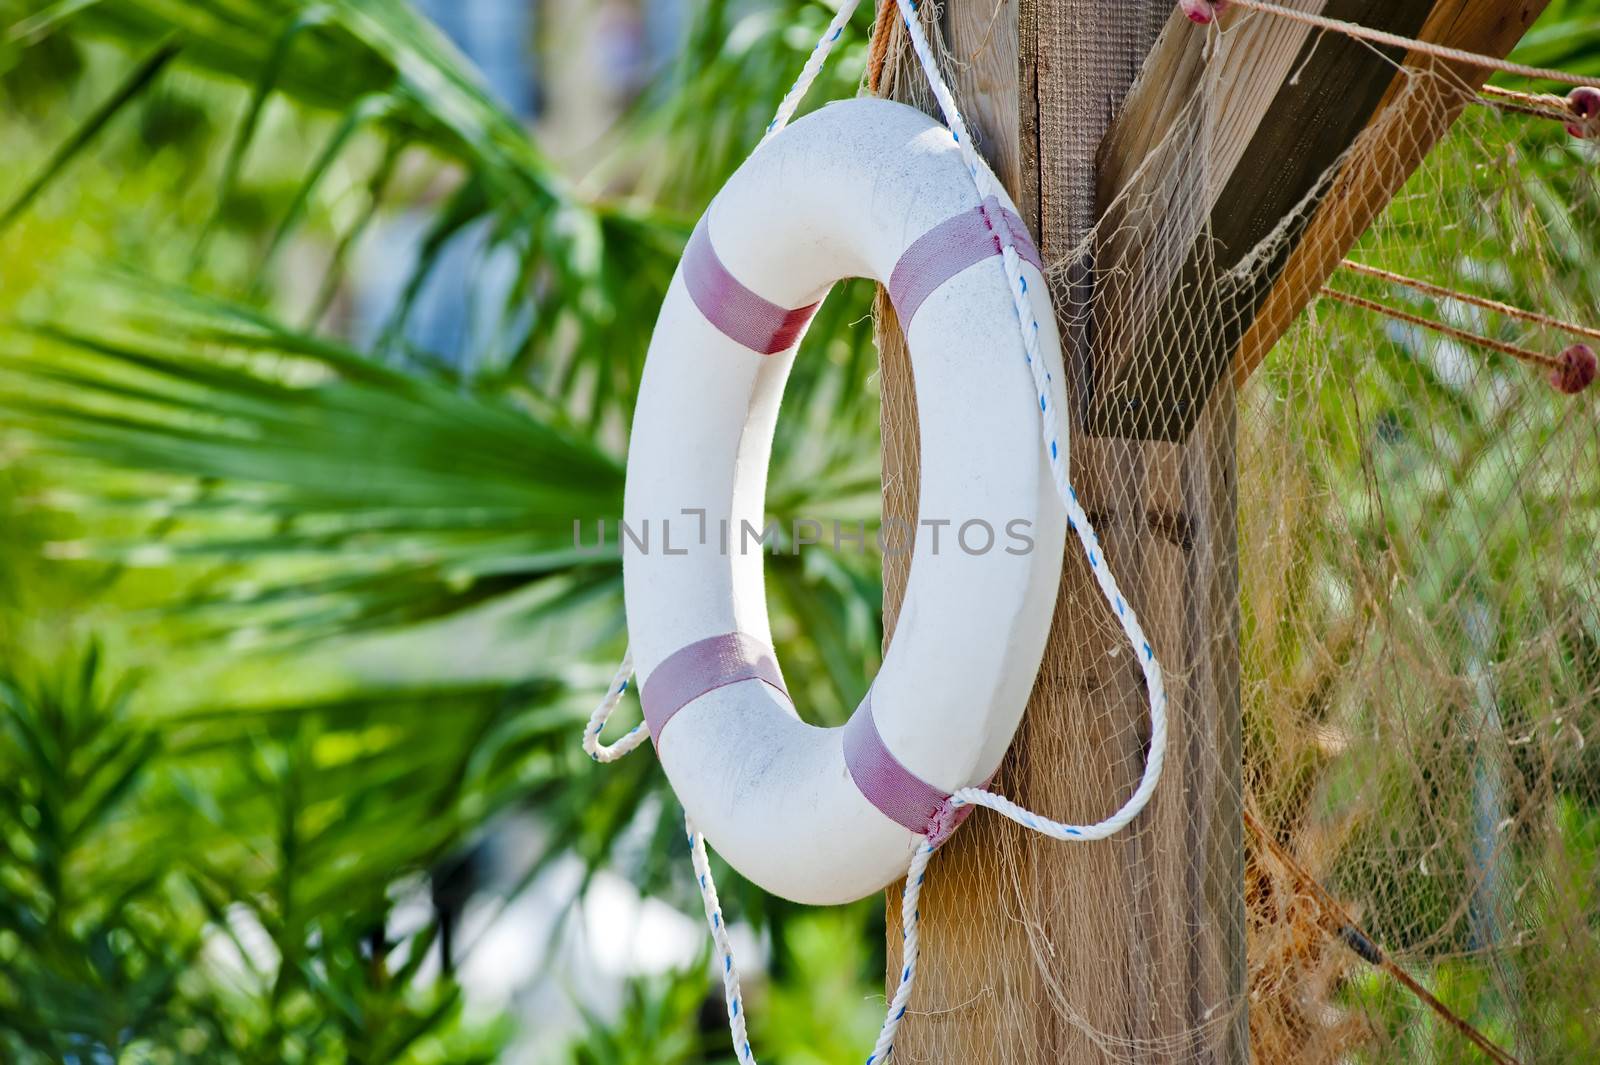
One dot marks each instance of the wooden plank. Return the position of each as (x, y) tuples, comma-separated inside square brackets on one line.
[(1153, 380), (1415, 115), (1140, 967), (1189, 119)]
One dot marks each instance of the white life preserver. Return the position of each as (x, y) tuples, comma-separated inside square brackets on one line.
[(862, 188)]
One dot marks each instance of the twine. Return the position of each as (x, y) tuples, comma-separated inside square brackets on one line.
[(1440, 292), (1536, 104), (1538, 358)]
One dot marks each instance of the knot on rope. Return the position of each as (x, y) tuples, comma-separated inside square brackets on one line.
[(1203, 12), (947, 817), (1576, 370), (1584, 103)]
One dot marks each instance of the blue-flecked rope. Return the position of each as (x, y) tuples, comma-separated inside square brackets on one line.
[(1055, 433), (733, 998), (602, 713)]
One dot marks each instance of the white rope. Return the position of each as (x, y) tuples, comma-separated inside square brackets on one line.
[(1055, 433), (786, 109), (719, 937), (808, 73), (910, 920), (597, 720)]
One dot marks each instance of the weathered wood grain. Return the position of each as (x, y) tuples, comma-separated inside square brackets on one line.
[(1416, 113), (1314, 97)]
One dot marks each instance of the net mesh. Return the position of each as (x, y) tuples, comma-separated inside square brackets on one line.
[(1363, 551)]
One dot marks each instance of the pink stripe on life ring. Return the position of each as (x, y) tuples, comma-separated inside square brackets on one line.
[(950, 247), (897, 792), (701, 667), (738, 313)]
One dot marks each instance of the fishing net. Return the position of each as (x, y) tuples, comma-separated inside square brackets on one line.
[(1363, 550)]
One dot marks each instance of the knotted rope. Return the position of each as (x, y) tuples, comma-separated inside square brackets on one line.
[(1055, 436)]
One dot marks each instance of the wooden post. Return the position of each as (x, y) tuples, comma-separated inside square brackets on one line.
[(1132, 948)]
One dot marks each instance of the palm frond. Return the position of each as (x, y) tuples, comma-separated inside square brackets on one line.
[(379, 495)]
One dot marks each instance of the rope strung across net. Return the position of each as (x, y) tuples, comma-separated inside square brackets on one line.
[(1443, 293), (1578, 111), (1537, 104), (1571, 372), (1055, 439)]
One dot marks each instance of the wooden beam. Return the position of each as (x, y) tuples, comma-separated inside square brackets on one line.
[(1187, 123), (1416, 113), (1140, 948), (1310, 101)]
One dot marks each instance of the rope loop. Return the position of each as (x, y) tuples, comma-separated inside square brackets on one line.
[(597, 721), (1384, 38)]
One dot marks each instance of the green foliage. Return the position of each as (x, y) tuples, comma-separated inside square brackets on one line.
[(167, 898), (91, 943), (219, 473), (820, 1013), (398, 497), (1564, 38), (662, 1020), (1420, 680)]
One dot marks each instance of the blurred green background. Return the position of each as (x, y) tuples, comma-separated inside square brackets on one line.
[(316, 342)]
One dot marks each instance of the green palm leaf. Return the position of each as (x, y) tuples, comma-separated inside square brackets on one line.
[(402, 497)]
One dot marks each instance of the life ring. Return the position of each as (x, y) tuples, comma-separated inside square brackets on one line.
[(861, 188)]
